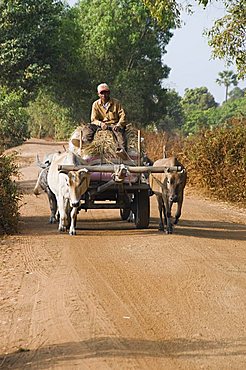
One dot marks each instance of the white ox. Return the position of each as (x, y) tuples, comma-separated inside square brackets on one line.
[(68, 187)]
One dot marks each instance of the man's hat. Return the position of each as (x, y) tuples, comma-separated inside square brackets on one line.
[(102, 87)]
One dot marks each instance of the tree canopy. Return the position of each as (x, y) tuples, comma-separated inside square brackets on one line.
[(199, 97), (226, 37), (28, 41), (123, 45), (227, 78)]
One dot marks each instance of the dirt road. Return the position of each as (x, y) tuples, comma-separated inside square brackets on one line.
[(114, 297)]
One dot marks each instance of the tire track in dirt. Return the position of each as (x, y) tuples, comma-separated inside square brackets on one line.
[(114, 297)]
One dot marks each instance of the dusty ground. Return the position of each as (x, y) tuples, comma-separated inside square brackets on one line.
[(114, 297)]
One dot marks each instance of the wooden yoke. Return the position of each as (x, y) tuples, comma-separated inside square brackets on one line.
[(111, 168)]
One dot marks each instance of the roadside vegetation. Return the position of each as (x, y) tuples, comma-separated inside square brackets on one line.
[(215, 159), (9, 195), (53, 56)]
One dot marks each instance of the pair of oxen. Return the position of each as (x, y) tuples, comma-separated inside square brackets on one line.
[(65, 189)]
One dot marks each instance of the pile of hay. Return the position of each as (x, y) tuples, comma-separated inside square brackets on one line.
[(103, 145)]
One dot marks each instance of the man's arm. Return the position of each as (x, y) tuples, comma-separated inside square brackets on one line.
[(95, 115), (122, 116)]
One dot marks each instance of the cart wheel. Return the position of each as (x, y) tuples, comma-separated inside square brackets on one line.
[(142, 209), (124, 213)]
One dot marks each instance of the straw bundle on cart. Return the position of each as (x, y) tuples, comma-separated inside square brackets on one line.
[(103, 144)]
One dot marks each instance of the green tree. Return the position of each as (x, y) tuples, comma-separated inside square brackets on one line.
[(199, 98), (226, 37), (29, 34), (216, 116), (49, 119), (123, 45), (227, 78), (173, 118), (13, 119), (195, 120), (236, 93), (69, 84)]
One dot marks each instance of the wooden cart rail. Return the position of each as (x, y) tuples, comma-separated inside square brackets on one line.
[(112, 168)]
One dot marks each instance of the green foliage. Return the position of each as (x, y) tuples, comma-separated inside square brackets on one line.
[(13, 119), (166, 12), (70, 81), (123, 45), (174, 117), (198, 98), (196, 120), (237, 93), (227, 78), (9, 195), (227, 36), (29, 41), (49, 119), (197, 104)]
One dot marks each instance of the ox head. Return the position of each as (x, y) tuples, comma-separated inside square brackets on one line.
[(78, 183), (174, 184)]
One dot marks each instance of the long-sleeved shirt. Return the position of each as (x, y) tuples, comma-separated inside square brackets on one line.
[(113, 113)]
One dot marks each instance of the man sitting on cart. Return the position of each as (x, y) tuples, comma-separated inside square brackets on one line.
[(107, 114)]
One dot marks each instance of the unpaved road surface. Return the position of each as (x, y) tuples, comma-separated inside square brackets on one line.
[(114, 297)]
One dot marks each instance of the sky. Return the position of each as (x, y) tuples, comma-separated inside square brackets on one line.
[(189, 56)]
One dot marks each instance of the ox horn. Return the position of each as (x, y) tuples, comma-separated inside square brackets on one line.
[(65, 172), (39, 163), (83, 170)]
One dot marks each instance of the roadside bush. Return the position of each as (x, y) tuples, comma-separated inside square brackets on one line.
[(9, 195), (215, 159), (13, 119), (49, 119)]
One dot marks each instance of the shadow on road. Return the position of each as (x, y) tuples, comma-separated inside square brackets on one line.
[(105, 347), (212, 229), (97, 226)]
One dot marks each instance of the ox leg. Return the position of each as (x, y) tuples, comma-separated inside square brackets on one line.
[(168, 221), (178, 212), (68, 210), (73, 215), (160, 207), (53, 205), (62, 213)]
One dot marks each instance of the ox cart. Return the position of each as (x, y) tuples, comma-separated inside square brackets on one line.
[(120, 184)]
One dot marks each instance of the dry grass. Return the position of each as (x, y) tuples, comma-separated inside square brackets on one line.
[(104, 144), (215, 160)]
